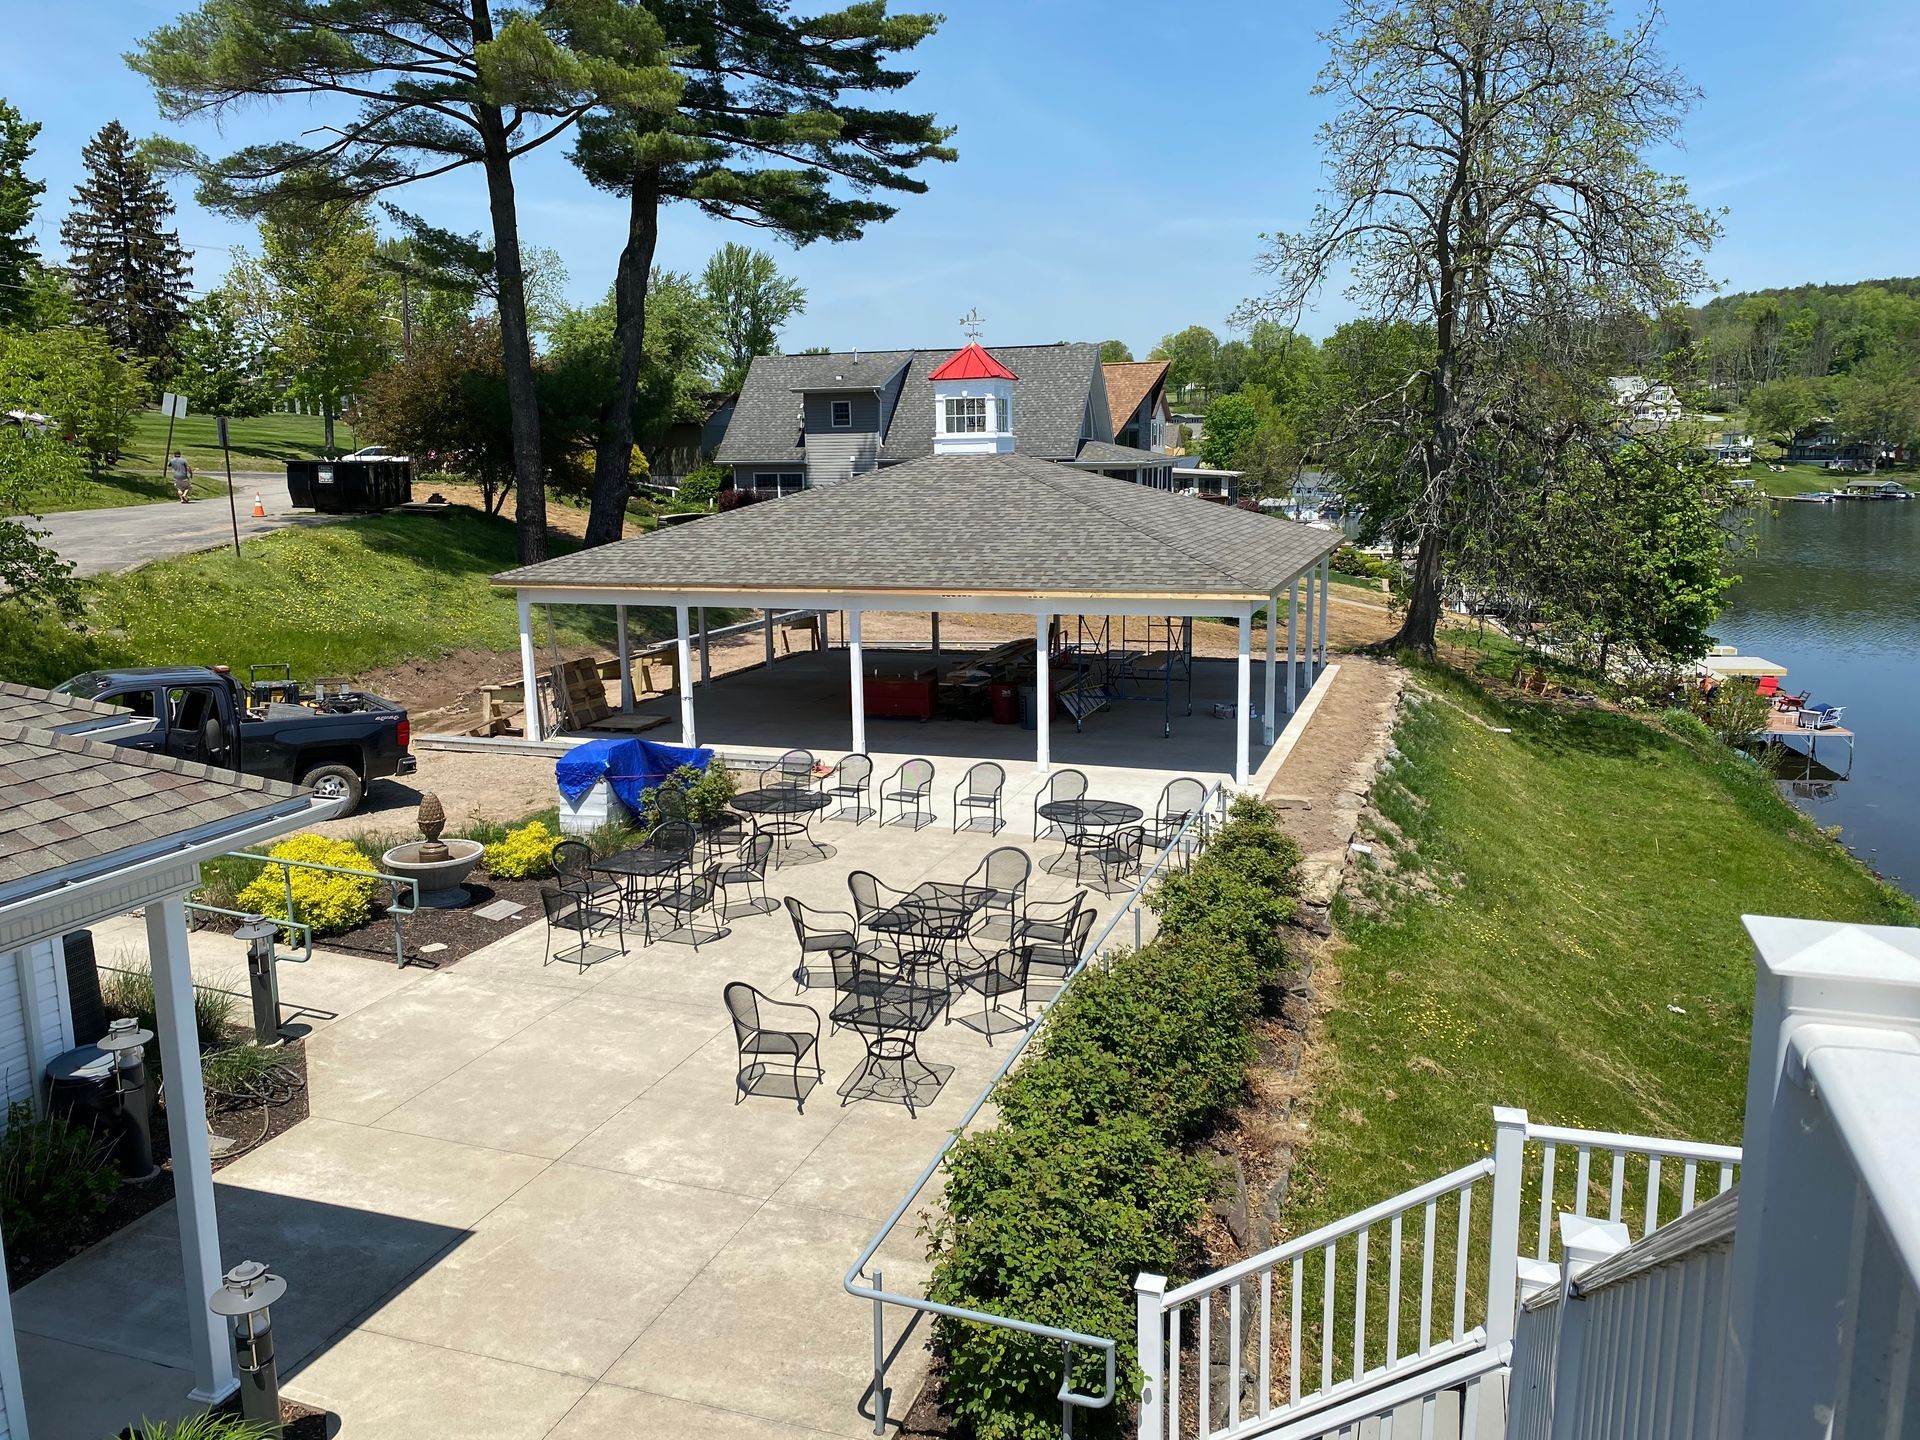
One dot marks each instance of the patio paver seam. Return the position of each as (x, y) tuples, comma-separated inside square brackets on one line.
[(799, 1427)]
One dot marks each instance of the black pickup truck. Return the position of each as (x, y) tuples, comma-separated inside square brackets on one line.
[(330, 741)]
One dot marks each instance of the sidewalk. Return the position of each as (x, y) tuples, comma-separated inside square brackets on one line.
[(99, 542)]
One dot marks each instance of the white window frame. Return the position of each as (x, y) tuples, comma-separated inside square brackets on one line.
[(969, 408), (780, 488), (835, 410)]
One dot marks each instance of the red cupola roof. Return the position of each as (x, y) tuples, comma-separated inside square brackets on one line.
[(972, 363)]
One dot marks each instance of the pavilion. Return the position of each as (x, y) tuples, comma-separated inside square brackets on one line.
[(996, 533)]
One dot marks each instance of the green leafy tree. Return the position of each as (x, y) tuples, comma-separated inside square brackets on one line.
[(1878, 403), (751, 300), (129, 273), (1781, 409), (444, 404), (685, 351), (1190, 354), (1231, 422), (19, 255), (773, 126), (318, 292), (223, 365), (1487, 181), (1115, 352), (413, 90), (79, 378)]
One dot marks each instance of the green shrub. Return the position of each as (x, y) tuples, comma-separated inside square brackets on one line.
[(56, 1177), (706, 792), (203, 1427), (696, 492), (1242, 888), (330, 903), (524, 854), (128, 995), (1352, 560), (243, 1075)]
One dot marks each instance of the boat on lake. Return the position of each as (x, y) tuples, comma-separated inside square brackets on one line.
[(1874, 490), (1813, 497)]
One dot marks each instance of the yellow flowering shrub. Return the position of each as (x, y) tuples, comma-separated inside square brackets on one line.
[(524, 853), (328, 902)]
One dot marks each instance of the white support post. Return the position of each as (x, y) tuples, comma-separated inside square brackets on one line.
[(1150, 1342), (1293, 645), (936, 636), (769, 638), (706, 662), (213, 1377), (1503, 1266), (1243, 700), (1326, 596), (529, 678), (1273, 674), (683, 671), (857, 673), (626, 659), (1042, 694)]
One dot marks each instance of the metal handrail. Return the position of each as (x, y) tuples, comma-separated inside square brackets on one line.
[(1194, 827), (306, 930), (396, 911)]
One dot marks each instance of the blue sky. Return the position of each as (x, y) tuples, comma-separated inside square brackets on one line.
[(1119, 160)]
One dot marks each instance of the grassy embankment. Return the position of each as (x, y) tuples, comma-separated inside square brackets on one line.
[(337, 599), (1794, 480), (1564, 935), (265, 442)]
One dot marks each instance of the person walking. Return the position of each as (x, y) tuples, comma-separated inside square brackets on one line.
[(182, 474)]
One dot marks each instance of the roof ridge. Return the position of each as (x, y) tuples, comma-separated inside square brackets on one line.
[(1051, 483)]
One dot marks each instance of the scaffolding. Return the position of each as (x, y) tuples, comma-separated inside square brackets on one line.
[(1139, 667)]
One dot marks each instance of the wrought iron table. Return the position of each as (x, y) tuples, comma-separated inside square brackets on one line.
[(1085, 823), (783, 811), (893, 1014), (631, 869)]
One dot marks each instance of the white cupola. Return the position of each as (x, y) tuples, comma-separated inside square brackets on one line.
[(972, 404)]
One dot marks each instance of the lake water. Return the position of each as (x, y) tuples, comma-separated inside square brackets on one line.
[(1832, 592)]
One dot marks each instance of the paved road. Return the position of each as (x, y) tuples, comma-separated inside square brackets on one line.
[(99, 541)]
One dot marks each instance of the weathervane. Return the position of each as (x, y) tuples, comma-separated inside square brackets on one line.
[(972, 326)]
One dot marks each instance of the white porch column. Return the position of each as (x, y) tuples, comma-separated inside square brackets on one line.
[(858, 676), (769, 637), (626, 659), (936, 637), (213, 1377), (1326, 596), (1042, 695), (1243, 699), (529, 680), (1293, 645), (683, 672), (706, 664), (1273, 674)]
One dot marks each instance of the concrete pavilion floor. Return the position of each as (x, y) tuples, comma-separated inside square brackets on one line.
[(525, 1205), (802, 701)]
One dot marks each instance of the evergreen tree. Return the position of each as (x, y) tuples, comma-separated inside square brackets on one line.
[(129, 272), (19, 256)]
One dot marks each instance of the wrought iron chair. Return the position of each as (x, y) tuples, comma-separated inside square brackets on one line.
[(727, 833), (684, 902), (573, 873), (1117, 854), (1055, 936), (851, 779), (1179, 801), (993, 978), (871, 895), (979, 790), (748, 868), (796, 767), (569, 911), (908, 787), (819, 933), (1005, 872), (1061, 785), (669, 804), (766, 1031)]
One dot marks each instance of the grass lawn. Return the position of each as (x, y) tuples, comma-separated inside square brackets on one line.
[(1569, 941), (338, 599), (1795, 479)]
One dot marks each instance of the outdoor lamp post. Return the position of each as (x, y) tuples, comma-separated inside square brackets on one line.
[(127, 1043), (262, 979), (244, 1297)]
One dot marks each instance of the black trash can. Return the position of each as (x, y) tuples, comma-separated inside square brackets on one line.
[(80, 1089)]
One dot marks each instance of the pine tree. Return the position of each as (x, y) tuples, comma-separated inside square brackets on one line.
[(129, 273), (19, 257)]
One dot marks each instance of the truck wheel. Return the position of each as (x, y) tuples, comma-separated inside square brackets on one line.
[(335, 782)]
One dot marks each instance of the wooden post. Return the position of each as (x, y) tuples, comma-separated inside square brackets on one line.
[(1042, 694), (1243, 699), (529, 677), (626, 659), (683, 671), (1293, 645), (213, 1377), (858, 686)]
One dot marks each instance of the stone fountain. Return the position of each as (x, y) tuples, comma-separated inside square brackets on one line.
[(439, 867)]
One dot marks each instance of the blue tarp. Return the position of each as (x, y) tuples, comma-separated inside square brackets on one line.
[(628, 766)]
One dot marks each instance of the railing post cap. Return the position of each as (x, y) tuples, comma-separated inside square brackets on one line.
[(1146, 1284), (1536, 1276), (1505, 1116), (1588, 1241)]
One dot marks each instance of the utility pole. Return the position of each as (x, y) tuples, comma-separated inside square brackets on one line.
[(233, 510)]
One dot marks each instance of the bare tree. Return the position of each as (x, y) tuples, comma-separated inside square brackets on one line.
[(1487, 185)]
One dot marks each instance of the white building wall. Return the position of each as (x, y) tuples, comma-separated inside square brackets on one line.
[(34, 1024)]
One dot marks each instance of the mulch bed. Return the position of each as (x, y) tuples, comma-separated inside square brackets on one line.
[(248, 1128), (297, 1421)]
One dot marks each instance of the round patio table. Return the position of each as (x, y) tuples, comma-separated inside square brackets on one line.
[(631, 869), (784, 812), (1087, 814)]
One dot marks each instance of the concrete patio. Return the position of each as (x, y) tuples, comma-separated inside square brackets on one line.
[(525, 1203)]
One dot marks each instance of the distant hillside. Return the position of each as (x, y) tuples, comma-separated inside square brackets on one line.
[(1803, 332)]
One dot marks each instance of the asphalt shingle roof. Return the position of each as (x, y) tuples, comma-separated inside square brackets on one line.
[(43, 710), (1105, 452), (66, 801), (1050, 400), (959, 525)]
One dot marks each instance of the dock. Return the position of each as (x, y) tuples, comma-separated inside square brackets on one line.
[(1783, 728)]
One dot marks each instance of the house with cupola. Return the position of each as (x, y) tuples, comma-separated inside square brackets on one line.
[(808, 420)]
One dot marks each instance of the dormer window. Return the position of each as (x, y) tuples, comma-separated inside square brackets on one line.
[(841, 414), (966, 415)]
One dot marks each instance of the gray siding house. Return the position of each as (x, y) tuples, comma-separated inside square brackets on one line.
[(808, 420)]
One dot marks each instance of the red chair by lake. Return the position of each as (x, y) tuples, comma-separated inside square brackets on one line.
[(1768, 687)]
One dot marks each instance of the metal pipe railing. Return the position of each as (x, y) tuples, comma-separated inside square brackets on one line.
[(396, 910), (1185, 842)]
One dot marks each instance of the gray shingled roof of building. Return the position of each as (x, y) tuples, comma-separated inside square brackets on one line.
[(1105, 452), (67, 802), (43, 710), (959, 525), (1050, 400)]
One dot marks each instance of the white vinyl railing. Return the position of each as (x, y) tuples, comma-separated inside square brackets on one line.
[(1401, 1301)]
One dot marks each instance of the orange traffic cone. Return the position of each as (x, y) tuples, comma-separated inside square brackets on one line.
[(259, 510)]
